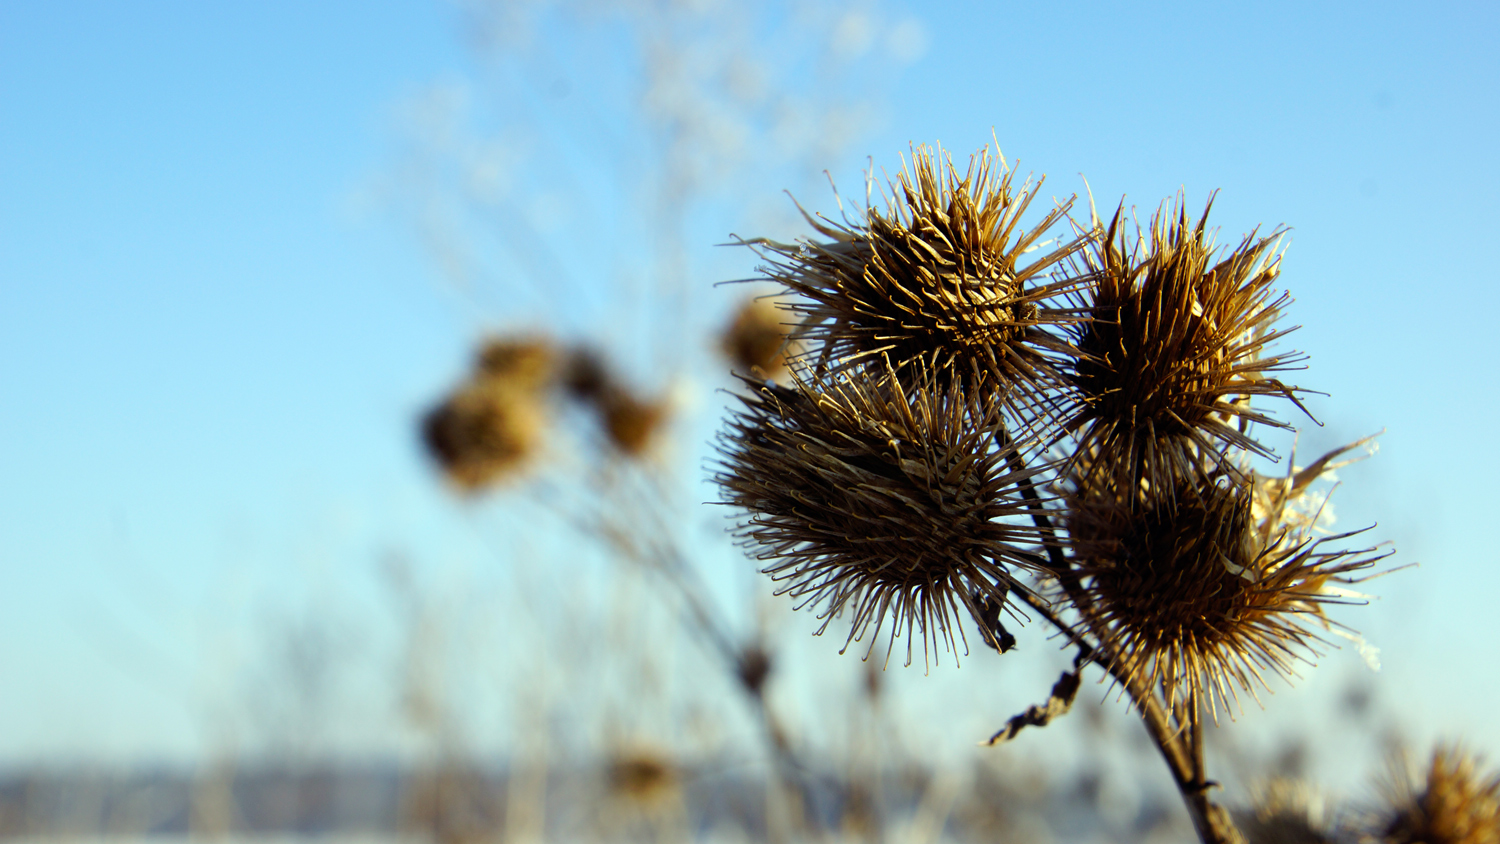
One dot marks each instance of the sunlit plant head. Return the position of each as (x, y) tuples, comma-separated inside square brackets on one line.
[(945, 277), (889, 500), (1197, 595), (1175, 347)]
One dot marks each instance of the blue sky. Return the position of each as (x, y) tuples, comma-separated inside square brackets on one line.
[(228, 284)]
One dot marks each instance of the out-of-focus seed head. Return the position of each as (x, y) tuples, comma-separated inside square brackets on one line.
[(584, 374), (895, 503), (643, 777), (754, 340), (1199, 598), (525, 361), (752, 667), (945, 277), (484, 432), (632, 424), (492, 424), (1449, 803), (1174, 348), (1288, 812)]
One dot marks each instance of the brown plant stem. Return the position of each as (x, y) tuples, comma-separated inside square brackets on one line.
[(1181, 749), (1184, 757)]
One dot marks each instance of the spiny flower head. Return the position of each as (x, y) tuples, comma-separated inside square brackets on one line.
[(1451, 804), (942, 277), (1173, 350), (881, 498), (1198, 597)]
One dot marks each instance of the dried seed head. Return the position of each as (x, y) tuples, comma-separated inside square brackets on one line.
[(885, 501), (526, 361), (630, 423), (753, 341), (1201, 599), (1452, 804), (584, 374), (484, 431), (643, 777), (1173, 352), (1288, 812), (936, 278), (490, 425), (752, 667)]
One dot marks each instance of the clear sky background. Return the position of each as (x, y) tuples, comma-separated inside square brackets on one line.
[(242, 247)]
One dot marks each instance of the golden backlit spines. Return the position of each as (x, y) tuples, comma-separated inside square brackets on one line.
[(888, 502), (945, 278), (1175, 348)]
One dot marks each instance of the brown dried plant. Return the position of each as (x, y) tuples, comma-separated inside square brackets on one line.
[(886, 501), (1197, 597), (642, 776), (1173, 349), (943, 385), (755, 339), (1289, 811), (488, 428), (1449, 803), (944, 278), (492, 424)]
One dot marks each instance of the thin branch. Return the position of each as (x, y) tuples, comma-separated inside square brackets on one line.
[(1183, 757)]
